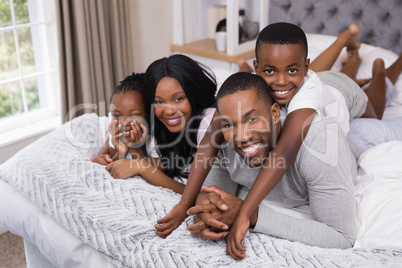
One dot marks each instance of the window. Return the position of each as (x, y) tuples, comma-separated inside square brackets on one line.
[(29, 82)]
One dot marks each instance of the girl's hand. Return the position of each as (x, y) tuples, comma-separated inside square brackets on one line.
[(103, 159), (236, 235), (136, 138), (171, 221), (124, 168), (114, 128)]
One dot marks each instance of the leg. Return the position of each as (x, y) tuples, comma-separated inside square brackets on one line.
[(328, 57), (376, 91), (352, 64), (395, 69)]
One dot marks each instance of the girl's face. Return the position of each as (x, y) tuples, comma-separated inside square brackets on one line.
[(127, 107), (172, 107)]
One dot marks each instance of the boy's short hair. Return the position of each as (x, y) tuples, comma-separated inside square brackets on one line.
[(133, 82), (242, 81), (281, 33)]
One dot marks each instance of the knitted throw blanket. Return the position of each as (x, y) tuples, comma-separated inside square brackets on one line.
[(116, 217)]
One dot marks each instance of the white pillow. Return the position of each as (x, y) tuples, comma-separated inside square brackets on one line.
[(378, 194)]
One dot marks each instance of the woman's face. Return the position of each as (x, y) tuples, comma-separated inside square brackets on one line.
[(172, 107)]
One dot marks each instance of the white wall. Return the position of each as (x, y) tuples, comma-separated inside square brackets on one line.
[(152, 22)]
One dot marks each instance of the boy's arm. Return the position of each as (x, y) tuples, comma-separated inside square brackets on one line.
[(199, 170), (292, 135)]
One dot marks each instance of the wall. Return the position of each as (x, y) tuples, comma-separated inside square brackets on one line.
[(152, 22)]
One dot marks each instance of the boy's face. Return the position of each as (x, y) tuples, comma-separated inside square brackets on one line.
[(127, 107), (247, 125), (283, 67)]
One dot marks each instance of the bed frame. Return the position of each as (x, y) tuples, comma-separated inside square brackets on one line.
[(380, 21)]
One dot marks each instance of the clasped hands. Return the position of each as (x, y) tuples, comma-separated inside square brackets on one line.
[(218, 215)]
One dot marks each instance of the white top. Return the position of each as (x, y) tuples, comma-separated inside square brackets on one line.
[(326, 100)]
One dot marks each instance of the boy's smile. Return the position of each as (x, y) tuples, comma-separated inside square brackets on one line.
[(283, 67)]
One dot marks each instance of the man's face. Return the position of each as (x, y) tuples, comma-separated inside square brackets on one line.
[(247, 125), (283, 67)]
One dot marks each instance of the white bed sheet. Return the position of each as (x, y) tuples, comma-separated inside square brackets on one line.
[(378, 192)]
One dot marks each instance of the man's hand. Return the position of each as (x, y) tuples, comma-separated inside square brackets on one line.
[(215, 212)]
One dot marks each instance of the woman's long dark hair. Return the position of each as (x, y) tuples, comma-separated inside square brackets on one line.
[(199, 84)]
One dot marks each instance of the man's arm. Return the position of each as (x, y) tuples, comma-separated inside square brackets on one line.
[(327, 167)]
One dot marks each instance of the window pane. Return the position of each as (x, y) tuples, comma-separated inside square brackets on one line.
[(26, 51), (21, 11), (32, 93), (11, 100), (5, 13), (8, 56)]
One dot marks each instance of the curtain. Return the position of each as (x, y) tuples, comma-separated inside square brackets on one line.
[(96, 53)]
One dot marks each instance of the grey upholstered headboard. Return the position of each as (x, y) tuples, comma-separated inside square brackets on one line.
[(380, 21)]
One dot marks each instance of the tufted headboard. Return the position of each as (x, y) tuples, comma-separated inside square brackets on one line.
[(380, 21)]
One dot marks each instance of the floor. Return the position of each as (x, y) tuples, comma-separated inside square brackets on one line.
[(12, 254)]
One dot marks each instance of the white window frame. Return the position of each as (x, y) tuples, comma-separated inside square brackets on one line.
[(42, 120)]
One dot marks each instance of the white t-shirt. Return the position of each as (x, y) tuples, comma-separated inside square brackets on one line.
[(326, 100)]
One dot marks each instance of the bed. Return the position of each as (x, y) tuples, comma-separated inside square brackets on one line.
[(72, 213)]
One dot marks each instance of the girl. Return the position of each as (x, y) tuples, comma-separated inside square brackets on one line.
[(127, 118)]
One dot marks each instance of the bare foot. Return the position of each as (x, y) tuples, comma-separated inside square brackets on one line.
[(244, 67), (378, 67), (351, 34)]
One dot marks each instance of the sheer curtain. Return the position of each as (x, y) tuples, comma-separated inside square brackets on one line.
[(95, 53)]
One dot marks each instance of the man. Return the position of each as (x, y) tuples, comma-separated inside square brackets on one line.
[(320, 181)]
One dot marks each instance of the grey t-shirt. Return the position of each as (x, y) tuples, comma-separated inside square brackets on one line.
[(321, 177)]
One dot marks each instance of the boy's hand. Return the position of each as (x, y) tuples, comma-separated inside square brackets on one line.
[(171, 221), (236, 235), (103, 159)]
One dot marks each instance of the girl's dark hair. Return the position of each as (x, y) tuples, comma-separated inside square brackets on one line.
[(199, 85), (133, 82)]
